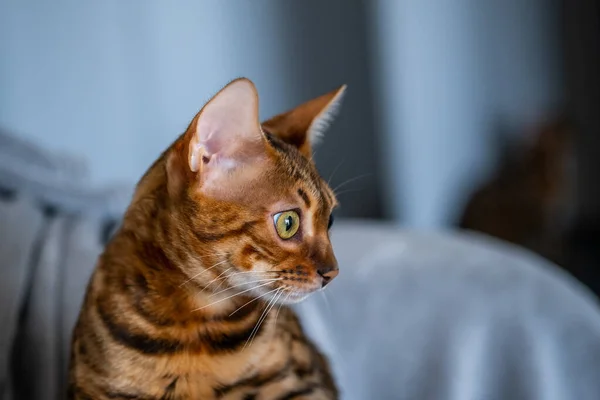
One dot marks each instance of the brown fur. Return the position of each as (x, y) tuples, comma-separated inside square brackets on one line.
[(530, 199), (147, 329)]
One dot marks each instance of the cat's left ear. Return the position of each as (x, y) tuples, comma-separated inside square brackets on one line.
[(304, 125)]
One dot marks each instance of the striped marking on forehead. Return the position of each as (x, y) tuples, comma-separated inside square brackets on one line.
[(311, 189), (304, 197)]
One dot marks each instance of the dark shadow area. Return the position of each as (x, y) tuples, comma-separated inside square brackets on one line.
[(334, 39)]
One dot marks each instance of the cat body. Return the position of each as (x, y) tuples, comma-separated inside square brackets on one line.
[(227, 228)]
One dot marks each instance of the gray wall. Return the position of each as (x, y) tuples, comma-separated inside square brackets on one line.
[(582, 38), (449, 76), (428, 82)]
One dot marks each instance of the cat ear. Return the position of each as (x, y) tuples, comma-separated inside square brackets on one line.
[(304, 125), (227, 130), (225, 137)]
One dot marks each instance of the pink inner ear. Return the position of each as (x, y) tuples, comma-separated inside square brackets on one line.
[(227, 130)]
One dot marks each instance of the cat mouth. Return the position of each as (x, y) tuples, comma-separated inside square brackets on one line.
[(285, 287), (296, 297), (293, 295)]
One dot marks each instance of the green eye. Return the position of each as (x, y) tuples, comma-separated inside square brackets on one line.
[(286, 224)]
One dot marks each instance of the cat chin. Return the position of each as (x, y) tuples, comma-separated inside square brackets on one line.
[(295, 297)]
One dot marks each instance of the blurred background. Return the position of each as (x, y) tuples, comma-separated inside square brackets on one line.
[(473, 114), (477, 115)]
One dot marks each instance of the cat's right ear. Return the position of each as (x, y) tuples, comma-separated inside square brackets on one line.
[(223, 141)]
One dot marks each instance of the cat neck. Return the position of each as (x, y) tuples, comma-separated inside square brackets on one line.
[(161, 290), (134, 277)]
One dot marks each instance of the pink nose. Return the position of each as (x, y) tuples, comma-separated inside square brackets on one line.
[(328, 273)]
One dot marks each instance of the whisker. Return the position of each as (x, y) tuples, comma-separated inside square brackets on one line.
[(334, 171), (246, 283), (229, 297), (273, 270), (281, 305), (216, 253), (256, 272), (211, 282), (350, 181), (262, 318), (254, 299), (348, 191), (221, 283), (330, 318), (203, 271), (223, 279), (327, 306), (250, 272)]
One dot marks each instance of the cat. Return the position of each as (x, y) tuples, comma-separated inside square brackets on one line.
[(189, 299), (530, 200)]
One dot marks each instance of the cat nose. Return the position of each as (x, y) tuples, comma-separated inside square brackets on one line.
[(327, 273)]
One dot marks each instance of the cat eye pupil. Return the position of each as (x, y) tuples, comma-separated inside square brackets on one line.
[(289, 222)]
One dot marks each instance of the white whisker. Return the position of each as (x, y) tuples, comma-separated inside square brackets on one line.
[(233, 295), (266, 310), (281, 305), (350, 181), (220, 275), (327, 306), (254, 299), (330, 318), (347, 191), (245, 283), (216, 253), (254, 272), (223, 279), (262, 318), (334, 171), (203, 271)]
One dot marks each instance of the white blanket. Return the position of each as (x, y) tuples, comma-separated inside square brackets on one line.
[(453, 316)]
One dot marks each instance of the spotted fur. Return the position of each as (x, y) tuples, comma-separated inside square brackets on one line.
[(173, 308)]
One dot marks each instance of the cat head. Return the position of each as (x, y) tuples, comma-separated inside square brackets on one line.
[(252, 210)]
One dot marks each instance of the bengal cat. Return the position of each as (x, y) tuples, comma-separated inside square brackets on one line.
[(227, 228)]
